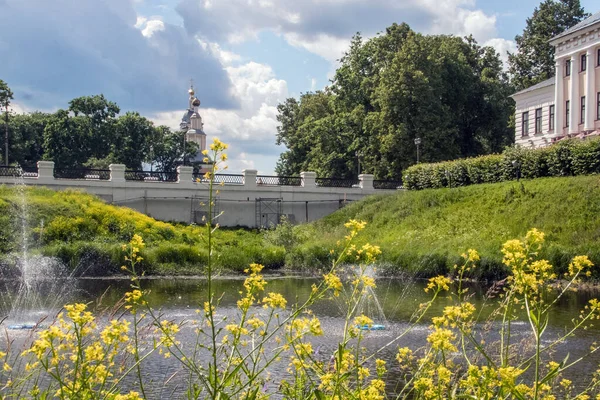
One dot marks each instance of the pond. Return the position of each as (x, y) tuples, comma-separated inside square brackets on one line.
[(178, 300)]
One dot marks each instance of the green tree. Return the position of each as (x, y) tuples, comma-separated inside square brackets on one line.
[(166, 150), (133, 137), (299, 130), (67, 140), (100, 115), (448, 91), (27, 137), (534, 60), (6, 95)]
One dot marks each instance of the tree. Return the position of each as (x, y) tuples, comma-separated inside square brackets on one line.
[(6, 95), (27, 137), (133, 136), (66, 140), (448, 91), (167, 149), (100, 115), (534, 60)]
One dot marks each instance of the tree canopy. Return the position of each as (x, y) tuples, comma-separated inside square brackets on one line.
[(389, 90), (91, 133), (534, 60)]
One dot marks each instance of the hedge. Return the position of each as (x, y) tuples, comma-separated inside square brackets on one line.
[(565, 158)]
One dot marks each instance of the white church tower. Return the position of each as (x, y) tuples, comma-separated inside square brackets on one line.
[(194, 127)]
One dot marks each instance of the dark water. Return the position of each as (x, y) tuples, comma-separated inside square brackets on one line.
[(177, 299)]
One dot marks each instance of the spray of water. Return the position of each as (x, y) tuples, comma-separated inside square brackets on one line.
[(35, 287)]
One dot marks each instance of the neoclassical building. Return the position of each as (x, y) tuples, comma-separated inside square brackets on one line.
[(567, 105)]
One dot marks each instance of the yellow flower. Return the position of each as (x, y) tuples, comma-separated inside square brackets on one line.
[(274, 300), (441, 339), (362, 320), (438, 283), (333, 282)]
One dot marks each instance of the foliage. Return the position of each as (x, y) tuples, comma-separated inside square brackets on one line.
[(81, 229), (90, 133), (389, 90), (6, 95), (534, 60), (167, 149), (565, 158)]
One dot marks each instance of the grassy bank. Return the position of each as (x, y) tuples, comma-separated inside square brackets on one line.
[(420, 232), (424, 232), (87, 234)]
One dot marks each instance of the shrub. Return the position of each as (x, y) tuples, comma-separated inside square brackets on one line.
[(566, 158)]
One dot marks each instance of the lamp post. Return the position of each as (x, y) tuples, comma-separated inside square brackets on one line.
[(517, 167), (357, 154), (183, 146), (6, 136), (418, 144)]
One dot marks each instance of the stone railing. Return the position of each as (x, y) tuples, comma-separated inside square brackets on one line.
[(249, 178)]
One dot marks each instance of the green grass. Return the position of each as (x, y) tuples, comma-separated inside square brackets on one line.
[(86, 234), (424, 232), (421, 233)]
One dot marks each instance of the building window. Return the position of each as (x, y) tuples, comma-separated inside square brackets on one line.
[(538, 120), (568, 68), (525, 124), (582, 118), (598, 63), (551, 120), (598, 106), (567, 104), (583, 62)]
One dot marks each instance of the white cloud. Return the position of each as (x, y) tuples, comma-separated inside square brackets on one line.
[(503, 47), (152, 26), (325, 27), (329, 47), (91, 47), (251, 129)]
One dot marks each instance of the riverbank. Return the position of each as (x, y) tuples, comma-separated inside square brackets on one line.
[(86, 234), (421, 233)]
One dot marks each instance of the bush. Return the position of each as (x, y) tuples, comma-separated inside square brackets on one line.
[(566, 158)]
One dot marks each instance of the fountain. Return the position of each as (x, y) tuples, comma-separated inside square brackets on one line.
[(35, 285), (369, 305)]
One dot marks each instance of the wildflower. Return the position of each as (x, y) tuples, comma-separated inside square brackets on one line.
[(579, 264), (438, 283), (441, 339), (274, 300), (116, 331), (362, 320), (333, 282)]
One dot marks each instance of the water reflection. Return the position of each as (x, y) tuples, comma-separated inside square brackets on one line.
[(179, 298)]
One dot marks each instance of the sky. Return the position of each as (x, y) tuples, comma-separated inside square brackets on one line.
[(244, 56)]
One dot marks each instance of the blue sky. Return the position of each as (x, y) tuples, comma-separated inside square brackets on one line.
[(245, 56)]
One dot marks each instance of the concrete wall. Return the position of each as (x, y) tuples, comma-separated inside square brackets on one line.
[(249, 204)]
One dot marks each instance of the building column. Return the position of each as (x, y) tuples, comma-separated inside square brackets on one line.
[(574, 101), (590, 90), (559, 101)]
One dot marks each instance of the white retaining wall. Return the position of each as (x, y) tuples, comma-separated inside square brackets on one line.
[(181, 200)]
